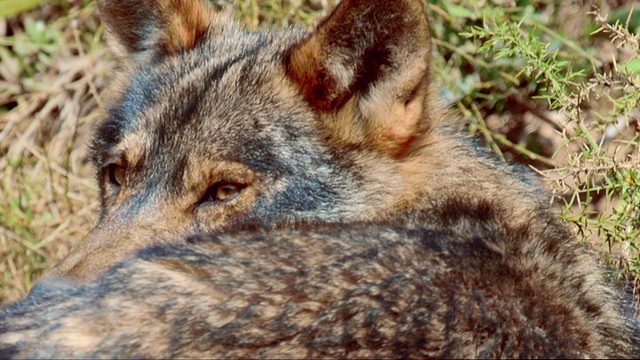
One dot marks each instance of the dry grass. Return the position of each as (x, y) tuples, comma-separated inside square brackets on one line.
[(53, 68), (51, 73)]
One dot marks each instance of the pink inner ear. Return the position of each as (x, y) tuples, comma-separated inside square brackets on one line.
[(190, 26), (407, 118), (186, 22), (188, 37)]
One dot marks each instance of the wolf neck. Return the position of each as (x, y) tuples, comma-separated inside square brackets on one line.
[(440, 169)]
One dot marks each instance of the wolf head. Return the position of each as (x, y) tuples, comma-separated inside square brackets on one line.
[(210, 126)]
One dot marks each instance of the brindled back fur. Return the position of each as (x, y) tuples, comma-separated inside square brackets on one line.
[(293, 194)]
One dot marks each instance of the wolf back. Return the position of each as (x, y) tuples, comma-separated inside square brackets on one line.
[(464, 285)]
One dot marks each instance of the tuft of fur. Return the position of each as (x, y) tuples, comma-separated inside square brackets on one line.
[(272, 194)]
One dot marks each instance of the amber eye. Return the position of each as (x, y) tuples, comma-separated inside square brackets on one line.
[(116, 174), (222, 191)]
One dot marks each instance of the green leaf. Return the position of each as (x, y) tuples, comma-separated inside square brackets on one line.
[(10, 8), (634, 66), (459, 12)]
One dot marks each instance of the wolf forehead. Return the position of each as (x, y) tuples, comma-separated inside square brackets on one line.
[(229, 92)]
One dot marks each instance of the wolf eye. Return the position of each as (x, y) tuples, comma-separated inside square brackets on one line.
[(222, 191), (116, 174)]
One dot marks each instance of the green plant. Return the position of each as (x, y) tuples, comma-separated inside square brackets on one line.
[(581, 98)]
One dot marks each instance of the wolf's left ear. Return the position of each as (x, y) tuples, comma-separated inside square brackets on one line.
[(138, 29), (365, 70)]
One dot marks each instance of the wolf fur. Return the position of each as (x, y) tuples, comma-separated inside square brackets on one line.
[(468, 284), (298, 194)]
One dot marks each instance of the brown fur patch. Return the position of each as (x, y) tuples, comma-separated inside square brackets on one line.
[(187, 21), (137, 27)]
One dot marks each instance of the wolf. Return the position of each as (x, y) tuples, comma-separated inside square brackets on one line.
[(300, 194)]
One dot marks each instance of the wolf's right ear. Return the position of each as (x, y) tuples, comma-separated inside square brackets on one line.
[(365, 71), (139, 29)]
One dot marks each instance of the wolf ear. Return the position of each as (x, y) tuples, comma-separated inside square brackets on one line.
[(143, 28), (365, 70)]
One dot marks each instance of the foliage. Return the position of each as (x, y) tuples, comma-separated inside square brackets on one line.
[(570, 104)]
